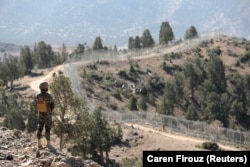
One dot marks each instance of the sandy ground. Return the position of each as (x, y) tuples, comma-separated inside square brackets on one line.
[(152, 139)]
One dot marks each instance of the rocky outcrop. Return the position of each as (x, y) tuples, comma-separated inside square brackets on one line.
[(18, 150)]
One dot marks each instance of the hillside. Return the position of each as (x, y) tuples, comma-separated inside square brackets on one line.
[(110, 84)]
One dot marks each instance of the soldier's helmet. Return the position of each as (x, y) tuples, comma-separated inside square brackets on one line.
[(44, 86)]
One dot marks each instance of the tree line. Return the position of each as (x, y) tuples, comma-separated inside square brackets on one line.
[(166, 35)]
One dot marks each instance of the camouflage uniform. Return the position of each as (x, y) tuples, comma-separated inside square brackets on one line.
[(45, 118)]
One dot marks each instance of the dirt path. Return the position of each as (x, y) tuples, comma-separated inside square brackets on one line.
[(181, 137), (47, 77)]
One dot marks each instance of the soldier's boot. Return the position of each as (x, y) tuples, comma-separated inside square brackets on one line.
[(49, 146), (39, 144)]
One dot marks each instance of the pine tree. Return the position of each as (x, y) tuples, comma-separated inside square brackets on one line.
[(44, 55), (166, 33), (80, 49), (132, 103), (193, 75), (130, 43), (192, 113), (191, 33), (13, 71), (98, 44), (146, 39), (26, 60), (142, 103), (14, 115), (137, 42), (68, 104), (216, 73), (115, 48)]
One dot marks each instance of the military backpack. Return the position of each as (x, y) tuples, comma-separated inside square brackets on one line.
[(42, 104)]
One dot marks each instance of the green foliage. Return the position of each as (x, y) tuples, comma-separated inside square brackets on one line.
[(94, 136), (142, 103), (162, 106), (150, 98), (216, 73), (173, 90), (217, 107), (210, 146), (96, 77), (129, 162), (3, 74), (137, 42), (98, 44), (132, 103), (214, 52), (80, 49), (170, 96), (237, 110), (192, 113), (130, 43), (193, 75), (179, 85), (169, 69), (172, 55), (67, 105), (191, 33), (92, 66), (204, 90), (44, 55), (12, 105), (64, 53), (133, 72), (32, 119), (124, 75), (117, 95), (146, 39), (26, 60), (14, 120), (13, 71), (245, 58), (115, 48), (166, 33)]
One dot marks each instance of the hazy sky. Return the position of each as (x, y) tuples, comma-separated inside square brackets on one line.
[(78, 21)]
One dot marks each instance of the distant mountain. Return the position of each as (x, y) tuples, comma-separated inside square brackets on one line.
[(81, 21)]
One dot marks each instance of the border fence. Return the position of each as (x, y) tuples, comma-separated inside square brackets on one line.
[(180, 125), (190, 128)]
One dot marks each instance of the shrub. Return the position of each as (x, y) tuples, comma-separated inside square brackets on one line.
[(245, 58), (117, 95), (128, 162), (172, 55), (96, 77), (210, 146)]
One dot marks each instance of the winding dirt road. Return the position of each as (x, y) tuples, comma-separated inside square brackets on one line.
[(47, 77)]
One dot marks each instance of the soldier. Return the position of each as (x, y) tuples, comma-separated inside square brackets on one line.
[(44, 105)]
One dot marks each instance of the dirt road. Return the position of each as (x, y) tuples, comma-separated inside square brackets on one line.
[(181, 137), (47, 77)]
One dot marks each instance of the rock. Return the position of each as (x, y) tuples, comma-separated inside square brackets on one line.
[(16, 149)]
